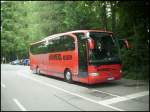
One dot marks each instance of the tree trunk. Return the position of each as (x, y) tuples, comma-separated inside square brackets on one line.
[(113, 12), (103, 16)]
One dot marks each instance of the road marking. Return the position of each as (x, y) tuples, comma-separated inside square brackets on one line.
[(124, 98), (19, 105), (106, 93), (74, 94), (3, 85)]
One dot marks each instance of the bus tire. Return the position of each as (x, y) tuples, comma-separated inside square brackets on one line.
[(38, 71), (34, 71), (68, 76)]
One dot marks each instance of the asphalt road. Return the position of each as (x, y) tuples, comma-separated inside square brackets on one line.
[(23, 91)]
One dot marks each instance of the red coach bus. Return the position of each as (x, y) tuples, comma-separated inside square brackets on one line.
[(87, 56)]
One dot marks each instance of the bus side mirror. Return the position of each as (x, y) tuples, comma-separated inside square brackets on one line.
[(124, 43), (91, 43)]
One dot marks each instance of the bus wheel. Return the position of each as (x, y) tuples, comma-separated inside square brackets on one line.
[(68, 76), (38, 71), (34, 71)]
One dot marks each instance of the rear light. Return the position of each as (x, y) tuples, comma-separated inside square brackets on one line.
[(94, 74)]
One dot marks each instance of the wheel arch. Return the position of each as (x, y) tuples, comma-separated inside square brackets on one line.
[(66, 69)]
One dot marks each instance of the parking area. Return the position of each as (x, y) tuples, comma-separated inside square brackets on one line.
[(22, 90)]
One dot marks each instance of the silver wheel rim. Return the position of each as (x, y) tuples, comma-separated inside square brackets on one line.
[(33, 71), (38, 71), (68, 75)]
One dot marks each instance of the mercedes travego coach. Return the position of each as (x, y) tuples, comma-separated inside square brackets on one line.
[(87, 56)]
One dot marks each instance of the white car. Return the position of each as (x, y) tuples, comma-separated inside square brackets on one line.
[(16, 62)]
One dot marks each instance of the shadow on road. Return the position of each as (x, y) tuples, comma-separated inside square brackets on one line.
[(99, 85), (115, 83)]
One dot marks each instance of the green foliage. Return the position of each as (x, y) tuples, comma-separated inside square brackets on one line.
[(134, 25), (24, 22)]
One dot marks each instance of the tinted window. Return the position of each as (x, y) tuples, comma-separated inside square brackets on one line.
[(63, 43), (105, 46), (68, 43), (53, 45), (58, 44), (38, 48)]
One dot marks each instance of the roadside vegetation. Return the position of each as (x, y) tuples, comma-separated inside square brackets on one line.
[(24, 22)]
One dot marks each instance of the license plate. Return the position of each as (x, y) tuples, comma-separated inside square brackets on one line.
[(110, 78)]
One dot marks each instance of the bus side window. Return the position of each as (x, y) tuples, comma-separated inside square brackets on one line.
[(50, 46), (37, 49), (58, 44), (41, 48), (61, 44), (53, 45), (68, 43)]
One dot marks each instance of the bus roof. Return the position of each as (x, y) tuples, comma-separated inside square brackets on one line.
[(70, 32)]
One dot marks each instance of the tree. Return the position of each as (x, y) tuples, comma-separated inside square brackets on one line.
[(24, 22)]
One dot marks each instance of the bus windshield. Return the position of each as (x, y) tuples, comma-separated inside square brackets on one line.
[(105, 49)]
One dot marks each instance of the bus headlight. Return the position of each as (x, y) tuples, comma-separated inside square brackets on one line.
[(120, 71), (94, 74)]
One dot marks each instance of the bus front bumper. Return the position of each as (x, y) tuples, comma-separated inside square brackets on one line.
[(103, 78)]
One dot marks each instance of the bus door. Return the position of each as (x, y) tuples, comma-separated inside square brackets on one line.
[(82, 60)]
